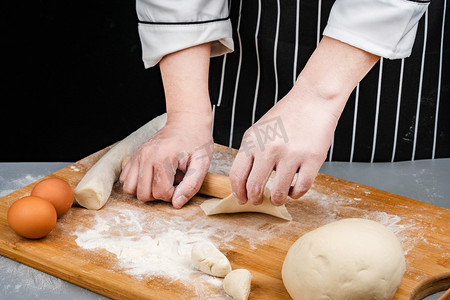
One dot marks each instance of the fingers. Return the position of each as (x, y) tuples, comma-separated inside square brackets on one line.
[(305, 180), (148, 180), (249, 176), (240, 170), (163, 179), (143, 190), (125, 168), (257, 180), (191, 183), (151, 174), (282, 182), (129, 176)]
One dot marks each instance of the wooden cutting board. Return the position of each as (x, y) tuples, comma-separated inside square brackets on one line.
[(256, 242)]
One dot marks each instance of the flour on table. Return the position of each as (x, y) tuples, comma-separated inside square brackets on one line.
[(408, 231), (150, 247), (73, 167), (143, 248)]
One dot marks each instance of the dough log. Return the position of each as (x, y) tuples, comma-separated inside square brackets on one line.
[(94, 189)]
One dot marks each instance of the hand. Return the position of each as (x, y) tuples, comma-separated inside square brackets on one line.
[(185, 145), (294, 136)]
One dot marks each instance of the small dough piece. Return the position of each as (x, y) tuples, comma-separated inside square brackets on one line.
[(237, 284), (230, 205), (350, 259), (207, 258), (94, 189)]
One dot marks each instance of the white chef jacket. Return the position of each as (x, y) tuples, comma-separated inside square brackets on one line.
[(167, 26), (383, 27), (399, 111)]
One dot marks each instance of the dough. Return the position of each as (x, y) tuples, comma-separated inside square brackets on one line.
[(230, 205), (95, 188), (207, 258), (349, 259), (237, 284)]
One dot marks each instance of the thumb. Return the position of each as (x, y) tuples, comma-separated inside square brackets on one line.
[(190, 184)]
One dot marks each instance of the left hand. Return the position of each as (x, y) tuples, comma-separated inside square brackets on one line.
[(185, 145)]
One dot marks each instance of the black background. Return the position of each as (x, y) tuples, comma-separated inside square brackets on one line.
[(74, 81)]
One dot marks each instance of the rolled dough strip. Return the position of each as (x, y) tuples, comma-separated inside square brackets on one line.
[(95, 188), (229, 205)]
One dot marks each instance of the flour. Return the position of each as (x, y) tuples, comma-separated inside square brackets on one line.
[(150, 247), (166, 253), (73, 167), (408, 230), (401, 228)]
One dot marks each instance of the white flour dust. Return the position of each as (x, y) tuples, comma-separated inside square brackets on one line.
[(151, 243), (408, 230), (150, 246), (143, 248), (401, 228), (75, 168)]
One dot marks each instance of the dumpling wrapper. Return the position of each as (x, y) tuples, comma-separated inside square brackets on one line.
[(230, 205)]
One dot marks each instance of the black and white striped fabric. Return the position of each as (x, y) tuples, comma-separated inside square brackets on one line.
[(399, 111)]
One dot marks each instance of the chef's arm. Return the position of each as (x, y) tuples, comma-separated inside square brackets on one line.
[(185, 78), (185, 142), (305, 120), (357, 34), (181, 36)]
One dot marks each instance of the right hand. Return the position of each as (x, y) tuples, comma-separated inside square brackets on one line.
[(293, 137), (185, 143)]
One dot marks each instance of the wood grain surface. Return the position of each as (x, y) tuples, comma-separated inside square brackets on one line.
[(253, 241)]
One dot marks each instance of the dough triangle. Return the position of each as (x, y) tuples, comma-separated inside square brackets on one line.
[(229, 205)]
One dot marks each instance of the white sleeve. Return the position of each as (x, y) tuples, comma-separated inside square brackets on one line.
[(383, 27), (167, 26)]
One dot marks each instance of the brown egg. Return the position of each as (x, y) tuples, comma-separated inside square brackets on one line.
[(57, 191), (32, 217)]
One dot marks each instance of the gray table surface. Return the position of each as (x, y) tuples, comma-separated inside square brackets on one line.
[(423, 180)]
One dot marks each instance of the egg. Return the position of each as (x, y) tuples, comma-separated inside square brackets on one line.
[(57, 191), (32, 217)]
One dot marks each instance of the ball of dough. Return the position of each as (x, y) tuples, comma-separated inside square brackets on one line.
[(348, 259), (237, 284)]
